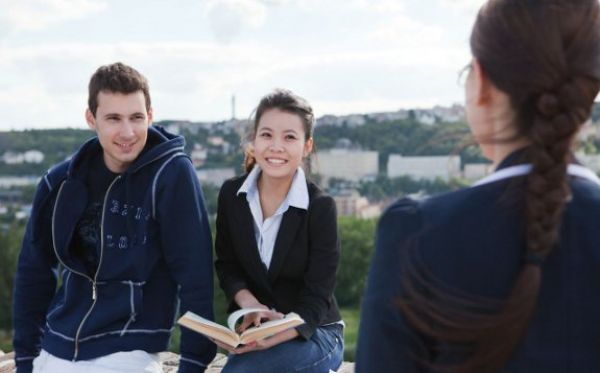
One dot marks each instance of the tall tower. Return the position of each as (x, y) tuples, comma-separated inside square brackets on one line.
[(232, 106)]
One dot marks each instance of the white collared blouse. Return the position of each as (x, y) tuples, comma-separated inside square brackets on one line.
[(265, 230)]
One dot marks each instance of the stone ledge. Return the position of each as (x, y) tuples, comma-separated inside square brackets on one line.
[(169, 360)]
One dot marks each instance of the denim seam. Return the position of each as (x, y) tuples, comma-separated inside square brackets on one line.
[(325, 357)]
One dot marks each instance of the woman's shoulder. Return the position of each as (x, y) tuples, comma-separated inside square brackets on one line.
[(234, 183), (408, 216), (317, 196)]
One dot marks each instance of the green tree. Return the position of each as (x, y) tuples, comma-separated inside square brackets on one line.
[(357, 236), (10, 244)]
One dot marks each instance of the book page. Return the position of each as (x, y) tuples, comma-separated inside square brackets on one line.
[(233, 318), (270, 328), (209, 328)]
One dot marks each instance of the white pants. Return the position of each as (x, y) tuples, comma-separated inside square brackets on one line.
[(119, 362)]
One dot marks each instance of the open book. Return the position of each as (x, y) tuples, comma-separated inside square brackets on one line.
[(229, 336)]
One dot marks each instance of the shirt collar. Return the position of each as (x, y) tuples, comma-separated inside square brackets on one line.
[(297, 195), (249, 185), (518, 156), (522, 156)]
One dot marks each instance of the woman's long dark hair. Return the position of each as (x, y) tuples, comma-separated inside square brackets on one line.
[(545, 55)]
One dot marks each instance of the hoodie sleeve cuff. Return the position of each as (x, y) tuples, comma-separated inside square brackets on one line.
[(190, 365), (24, 366)]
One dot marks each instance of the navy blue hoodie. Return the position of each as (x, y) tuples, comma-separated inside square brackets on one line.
[(155, 249)]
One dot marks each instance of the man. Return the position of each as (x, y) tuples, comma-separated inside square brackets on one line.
[(123, 225)]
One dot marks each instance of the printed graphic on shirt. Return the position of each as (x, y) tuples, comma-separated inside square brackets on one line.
[(121, 210), (87, 236)]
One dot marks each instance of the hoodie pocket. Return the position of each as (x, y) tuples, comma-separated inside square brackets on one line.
[(135, 302), (117, 306)]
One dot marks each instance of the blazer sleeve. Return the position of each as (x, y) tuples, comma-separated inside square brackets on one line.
[(229, 270), (35, 280), (386, 341), (187, 246), (316, 296)]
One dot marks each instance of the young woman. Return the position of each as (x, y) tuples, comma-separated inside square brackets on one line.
[(277, 245), (503, 276)]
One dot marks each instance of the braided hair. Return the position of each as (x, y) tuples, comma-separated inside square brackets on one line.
[(545, 55)]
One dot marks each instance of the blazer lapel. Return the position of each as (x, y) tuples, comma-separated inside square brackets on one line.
[(246, 234), (285, 238)]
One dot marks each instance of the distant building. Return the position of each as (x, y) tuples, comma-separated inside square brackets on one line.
[(33, 156), (174, 128), (351, 203), (476, 171), (215, 176), (23, 213), (198, 155), (215, 140), (218, 145), (353, 120), (425, 117), (453, 114), (588, 130), (353, 165), (423, 167), (13, 158), (7, 182), (592, 161), (30, 156), (388, 117)]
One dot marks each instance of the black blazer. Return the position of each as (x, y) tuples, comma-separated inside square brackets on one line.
[(301, 277)]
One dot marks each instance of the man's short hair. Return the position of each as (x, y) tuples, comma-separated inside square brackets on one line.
[(116, 78)]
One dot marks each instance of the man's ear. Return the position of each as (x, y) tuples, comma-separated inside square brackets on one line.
[(90, 119), (150, 116)]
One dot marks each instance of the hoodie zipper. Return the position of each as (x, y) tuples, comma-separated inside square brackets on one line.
[(95, 279)]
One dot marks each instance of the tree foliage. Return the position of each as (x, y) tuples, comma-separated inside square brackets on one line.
[(10, 245), (357, 236)]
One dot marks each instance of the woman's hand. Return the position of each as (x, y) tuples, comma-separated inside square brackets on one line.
[(266, 343), (255, 318), (245, 299)]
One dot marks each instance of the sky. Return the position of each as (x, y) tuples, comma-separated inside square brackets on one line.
[(343, 56)]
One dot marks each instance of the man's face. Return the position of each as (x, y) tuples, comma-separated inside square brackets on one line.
[(121, 123)]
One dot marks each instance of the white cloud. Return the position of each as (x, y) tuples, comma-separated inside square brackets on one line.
[(380, 6), (229, 18), (467, 7), (34, 15), (343, 56), (406, 31)]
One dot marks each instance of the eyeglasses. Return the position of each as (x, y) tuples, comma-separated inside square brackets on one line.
[(463, 74)]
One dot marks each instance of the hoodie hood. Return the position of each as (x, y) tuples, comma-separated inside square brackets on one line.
[(159, 144)]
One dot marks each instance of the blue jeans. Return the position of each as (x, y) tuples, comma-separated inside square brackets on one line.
[(322, 352)]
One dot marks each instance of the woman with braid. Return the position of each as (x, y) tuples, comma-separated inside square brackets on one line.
[(503, 276)]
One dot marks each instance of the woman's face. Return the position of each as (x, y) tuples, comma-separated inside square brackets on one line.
[(279, 144)]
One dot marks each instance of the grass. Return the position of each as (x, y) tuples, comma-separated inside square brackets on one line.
[(351, 317), (5, 341)]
